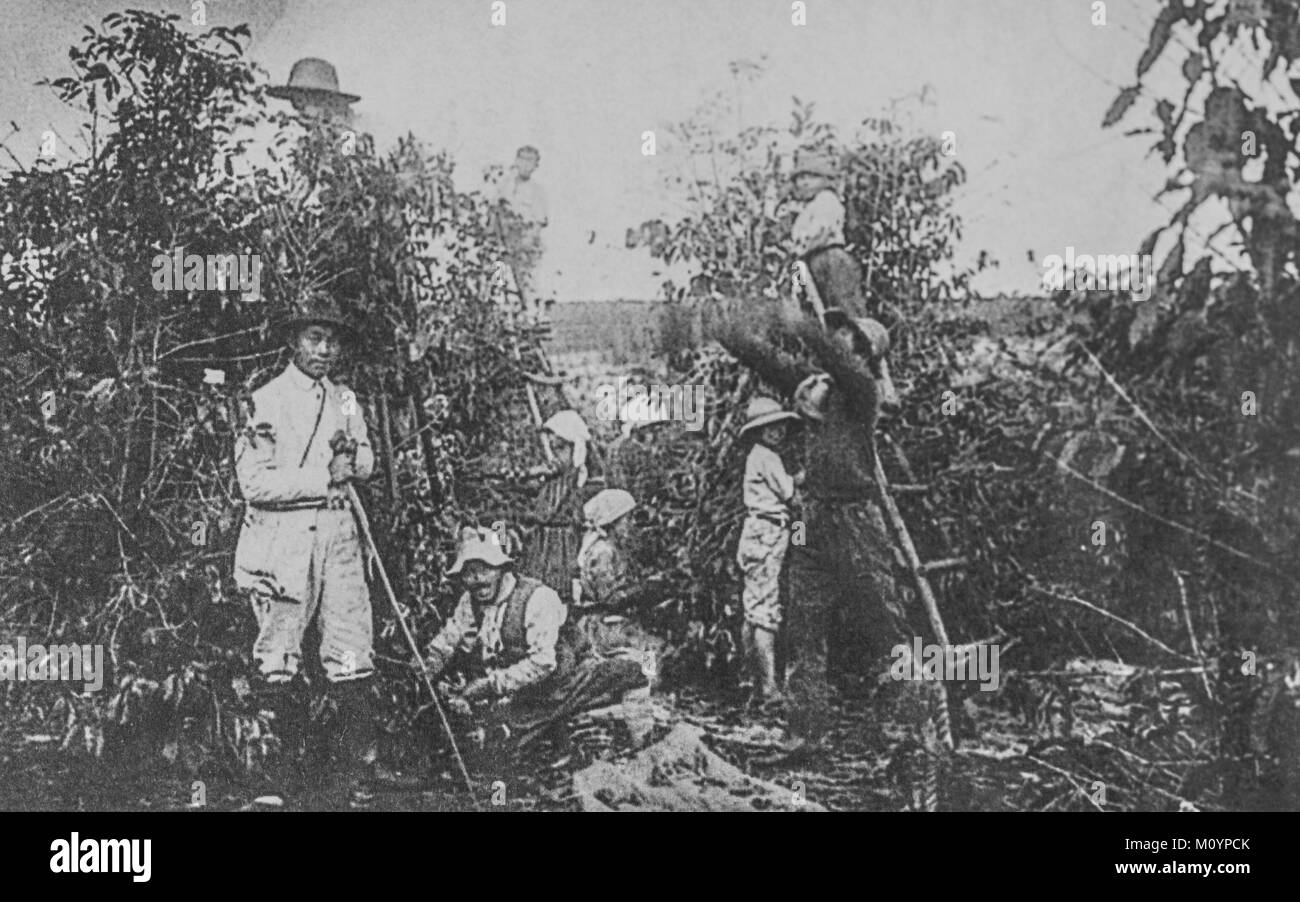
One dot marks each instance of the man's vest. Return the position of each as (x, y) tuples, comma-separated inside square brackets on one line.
[(514, 632)]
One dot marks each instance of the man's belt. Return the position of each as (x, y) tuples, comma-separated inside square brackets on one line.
[(302, 504), (808, 255), (842, 500), (777, 519)]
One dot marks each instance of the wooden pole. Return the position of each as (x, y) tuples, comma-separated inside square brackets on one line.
[(363, 523), (917, 570), (390, 462), (536, 411)]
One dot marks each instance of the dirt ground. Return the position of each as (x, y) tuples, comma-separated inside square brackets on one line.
[(38, 776)]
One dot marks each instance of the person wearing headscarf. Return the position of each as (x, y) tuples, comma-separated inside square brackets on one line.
[(602, 564), (628, 463), (551, 554), (611, 591)]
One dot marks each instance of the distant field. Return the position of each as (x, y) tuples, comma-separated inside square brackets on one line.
[(613, 332), (627, 333)]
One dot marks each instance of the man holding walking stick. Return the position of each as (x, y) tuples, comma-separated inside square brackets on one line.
[(299, 556)]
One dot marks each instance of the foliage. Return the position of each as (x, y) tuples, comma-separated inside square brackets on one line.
[(121, 506), (898, 194), (1213, 332), (1094, 410)]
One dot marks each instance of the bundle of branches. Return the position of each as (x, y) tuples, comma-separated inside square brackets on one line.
[(122, 398)]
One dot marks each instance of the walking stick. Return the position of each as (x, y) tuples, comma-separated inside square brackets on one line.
[(363, 523)]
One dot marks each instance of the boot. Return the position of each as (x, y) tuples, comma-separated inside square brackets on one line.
[(747, 655), (284, 707), (765, 656), (356, 756), (354, 743)]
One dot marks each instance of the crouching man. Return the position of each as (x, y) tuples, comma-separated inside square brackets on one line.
[(527, 675)]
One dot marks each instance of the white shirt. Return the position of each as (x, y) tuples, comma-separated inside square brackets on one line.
[(284, 454), (819, 224), (543, 618), (768, 488), (525, 197)]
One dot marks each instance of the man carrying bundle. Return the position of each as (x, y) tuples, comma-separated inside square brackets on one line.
[(845, 561)]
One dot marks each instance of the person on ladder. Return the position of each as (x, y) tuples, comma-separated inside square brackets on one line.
[(521, 216), (827, 276)]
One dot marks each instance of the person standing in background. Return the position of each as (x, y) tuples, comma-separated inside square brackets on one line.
[(313, 89), (551, 552), (817, 240), (521, 216)]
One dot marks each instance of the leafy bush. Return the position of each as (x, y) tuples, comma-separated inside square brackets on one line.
[(122, 507)]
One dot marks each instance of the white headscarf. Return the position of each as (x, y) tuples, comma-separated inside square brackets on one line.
[(638, 412), (569, 425), (603, 510)]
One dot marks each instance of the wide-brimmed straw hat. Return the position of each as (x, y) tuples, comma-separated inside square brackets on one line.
[(312, 79), (479, 544), (764, 412), (313, 310), (816, 163)]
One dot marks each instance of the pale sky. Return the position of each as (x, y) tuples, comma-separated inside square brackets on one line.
[(1022, 83)]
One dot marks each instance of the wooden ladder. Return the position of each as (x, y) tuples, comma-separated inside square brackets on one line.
[(919, 572)]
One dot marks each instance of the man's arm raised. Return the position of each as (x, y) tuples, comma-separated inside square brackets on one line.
[(731, 327)]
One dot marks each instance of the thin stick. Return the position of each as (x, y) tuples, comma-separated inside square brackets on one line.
[(1191, 632), (390, 459), (536, 379), (1141, 414), (363, 522), (534, 409), (1170, 523), (1133, 627)]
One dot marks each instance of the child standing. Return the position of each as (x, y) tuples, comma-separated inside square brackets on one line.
[(764, 539)]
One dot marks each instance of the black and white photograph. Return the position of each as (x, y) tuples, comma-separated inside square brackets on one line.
[(690, 406)]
